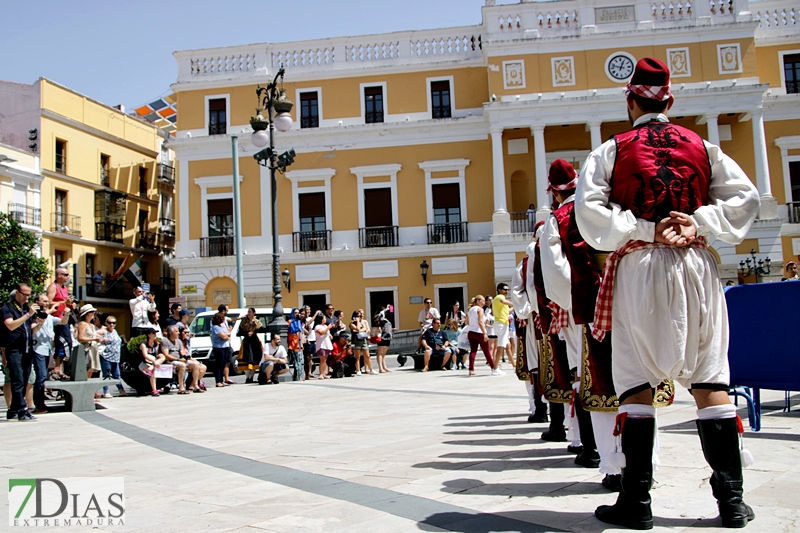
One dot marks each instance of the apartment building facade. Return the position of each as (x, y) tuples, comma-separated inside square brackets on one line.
[(99, 187), (432, 147)]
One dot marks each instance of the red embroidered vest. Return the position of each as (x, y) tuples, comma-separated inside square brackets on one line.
[(545, 314), (585, 279), (660, 167)]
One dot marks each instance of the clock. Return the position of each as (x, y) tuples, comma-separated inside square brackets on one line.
[(619, 67)]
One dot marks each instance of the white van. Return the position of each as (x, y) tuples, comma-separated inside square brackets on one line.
[(200, 343)]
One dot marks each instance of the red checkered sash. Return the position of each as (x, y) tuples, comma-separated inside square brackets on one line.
[(605, 297), (560, 318)]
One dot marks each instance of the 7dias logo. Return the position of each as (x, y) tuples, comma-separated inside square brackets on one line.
[(75, 501)]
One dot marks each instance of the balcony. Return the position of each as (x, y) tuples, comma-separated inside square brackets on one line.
[(373, 117), (377, 237), (794, 212), (447, 233), (109, 231), (166, 226), (147, 240), (522, 221), (166, 174), (25, 214), (105, 177), (311, 241), (216, 246), (65, 223), (311, 121), (168, 284)]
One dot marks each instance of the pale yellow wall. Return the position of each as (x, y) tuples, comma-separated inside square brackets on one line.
[(341, 98), (220, 283), (769, 62), (773, 130), (351, 295), (250, 189), (590, 74)]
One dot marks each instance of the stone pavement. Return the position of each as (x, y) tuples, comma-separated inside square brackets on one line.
[(398, 452)]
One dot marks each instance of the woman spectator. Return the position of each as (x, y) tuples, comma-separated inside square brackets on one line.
[(386, 336), (452, 332), (488, 320), (251, 348), (455, 316), (198, 369), (293, 338), (477, 334), (88, 337), (153, 316), (152, 359), (221, 347), (311, 338), (324, 345), (109, 359), (359, 332), (511, 347)]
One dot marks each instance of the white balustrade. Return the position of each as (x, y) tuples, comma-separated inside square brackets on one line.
[(461, 45), (672, 11), (510, 22), (775, 18), (721, 7), (303, 57), (227, 64), (557, 20), (373, 52)]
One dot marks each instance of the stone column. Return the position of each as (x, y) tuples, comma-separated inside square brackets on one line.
[(501, 220), (542, 197), (769, 206), (712, 125), (597, 137)]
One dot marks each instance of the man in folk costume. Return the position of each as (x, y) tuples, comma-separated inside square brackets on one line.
[(651, 195), (523, 296), (571, 283)]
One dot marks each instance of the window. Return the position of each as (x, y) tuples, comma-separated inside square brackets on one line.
[(373, 104), (217, 118), (440, 99), (59, 256), (378, 230), (312, 212), (61, 156), (61, 203), (791, 71), (794, 179), (446, 203), (309, 110), (220, 218), (143, 220), (143, 183)]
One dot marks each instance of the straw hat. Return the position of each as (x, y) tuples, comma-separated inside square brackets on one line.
[(88, 308)]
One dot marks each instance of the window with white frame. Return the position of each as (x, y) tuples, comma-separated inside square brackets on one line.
[(377, 209), (446, 200)]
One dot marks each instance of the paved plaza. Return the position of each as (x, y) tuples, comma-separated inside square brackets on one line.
[(398, 452)]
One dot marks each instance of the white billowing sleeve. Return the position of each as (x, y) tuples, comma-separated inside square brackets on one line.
[(519, 295), (733, 200), (603, 224), (529, 278), (556, 271)]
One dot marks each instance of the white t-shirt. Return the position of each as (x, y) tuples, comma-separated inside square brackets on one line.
[(427, 316), (279, 352), (312, 336), (323, 338), (43, 338)]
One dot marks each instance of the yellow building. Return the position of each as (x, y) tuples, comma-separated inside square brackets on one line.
[(430, 146), (103, 190)]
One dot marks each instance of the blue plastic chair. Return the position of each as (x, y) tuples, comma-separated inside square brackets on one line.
[(764, 341)]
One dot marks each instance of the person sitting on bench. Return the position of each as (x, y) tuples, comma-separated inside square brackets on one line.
[(273, 362), (435, 342)]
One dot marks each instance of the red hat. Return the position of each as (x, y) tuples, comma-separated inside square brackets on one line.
[(650, 80), (562, 176)]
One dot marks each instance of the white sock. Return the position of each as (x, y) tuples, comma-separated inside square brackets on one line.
[(637, 410), (716, 412)]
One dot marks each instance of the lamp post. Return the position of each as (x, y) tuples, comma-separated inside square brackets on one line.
[(272, 99), (423, 269), (759, 268)]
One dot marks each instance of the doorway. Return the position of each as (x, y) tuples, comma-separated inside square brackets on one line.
[(446, 296), (316, 302), (379, 298)]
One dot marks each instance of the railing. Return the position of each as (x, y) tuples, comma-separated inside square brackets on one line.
[(217, 128), (447, 233), (166, 173), (105, 177), (672, 11), (108, 231), (64, 223), (167, 284), (61, 163), (224, 64), (373, 117), (377, 237), (523, 221), (794, 212), (216, 246), (441, 111), (166, 226), (775, 14), (147, 240), (311, 241), (309, 122), (24, 214)]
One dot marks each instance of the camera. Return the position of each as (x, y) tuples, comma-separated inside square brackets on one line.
[(41, 314)]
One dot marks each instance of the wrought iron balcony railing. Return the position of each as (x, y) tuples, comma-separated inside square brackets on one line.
[(166, 226), (108, 231), (216, 246), (65, 223), (311, 241), (794, 212), (25, 214), (166, 173), (148, 240), (447, 233), (377, 237)]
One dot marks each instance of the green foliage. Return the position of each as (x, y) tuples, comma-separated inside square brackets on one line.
[(18, 262), (133, 344)]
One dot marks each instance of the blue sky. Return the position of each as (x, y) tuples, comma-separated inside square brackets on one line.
[(121, 52)]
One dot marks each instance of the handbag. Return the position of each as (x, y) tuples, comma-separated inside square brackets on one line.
[(361, 335)]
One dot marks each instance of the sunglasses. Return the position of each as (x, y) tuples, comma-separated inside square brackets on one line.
[(111, 323)]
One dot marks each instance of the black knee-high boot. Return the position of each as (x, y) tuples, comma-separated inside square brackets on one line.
[(720, 441), (556, 432), (589, 457), (632, 509), (540, 408)]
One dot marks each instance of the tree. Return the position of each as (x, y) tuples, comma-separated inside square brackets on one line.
[(18, 262)]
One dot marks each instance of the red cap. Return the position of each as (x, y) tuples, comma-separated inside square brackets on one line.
[(650, 80), (562, 176)]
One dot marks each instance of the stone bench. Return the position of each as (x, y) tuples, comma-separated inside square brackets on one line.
[(78, 395)]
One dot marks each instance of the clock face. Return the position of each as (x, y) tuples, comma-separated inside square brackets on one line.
[(620, 67)]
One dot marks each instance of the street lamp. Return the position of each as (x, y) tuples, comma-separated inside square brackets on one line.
[(287, 279), (423, 269), (759, 268), (272, 100)]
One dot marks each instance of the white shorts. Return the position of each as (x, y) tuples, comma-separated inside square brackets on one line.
[(501, 330), (669, 320)]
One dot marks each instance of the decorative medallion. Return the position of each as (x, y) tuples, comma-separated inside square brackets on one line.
[(514, 74), (678, 62), (563, 71), (729, 58)]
